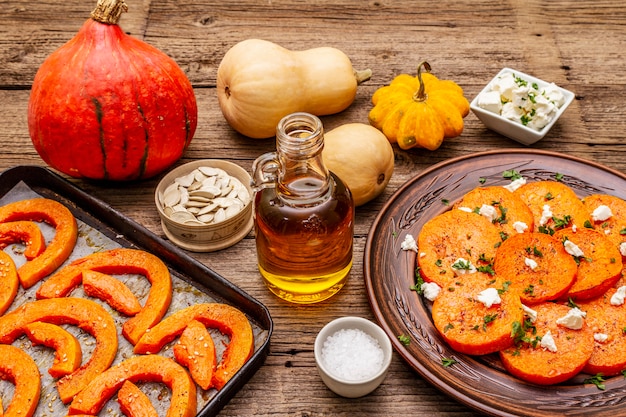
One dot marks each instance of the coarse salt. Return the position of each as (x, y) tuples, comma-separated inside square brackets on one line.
[(352, 354)]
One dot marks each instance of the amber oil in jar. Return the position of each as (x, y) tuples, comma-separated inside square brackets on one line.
[(304, 215)]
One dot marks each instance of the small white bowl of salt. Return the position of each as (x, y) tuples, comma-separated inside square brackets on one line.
[(352, 355)]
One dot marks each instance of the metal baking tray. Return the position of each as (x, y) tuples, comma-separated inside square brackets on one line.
[(124, 232)]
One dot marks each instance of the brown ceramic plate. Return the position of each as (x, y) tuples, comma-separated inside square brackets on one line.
[(479, 382)]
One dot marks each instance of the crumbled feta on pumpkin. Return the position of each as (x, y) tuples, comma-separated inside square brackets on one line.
[(573, 319)]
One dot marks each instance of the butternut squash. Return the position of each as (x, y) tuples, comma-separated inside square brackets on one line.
[(260, 82)]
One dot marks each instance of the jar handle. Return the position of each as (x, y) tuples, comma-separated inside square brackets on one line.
[(264, 171)]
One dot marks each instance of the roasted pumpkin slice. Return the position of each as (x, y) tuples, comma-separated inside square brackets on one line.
[(86, 314), (68, 353), (536, 361), (149, 368), (452, 238), (119, 261), (598, 258), (225, 318), (554, 205), (537, 265), (25, 232), (112, 291), (477, 327), (20, 369), (61, 245), (133, 402), (608, 321), (8, 282), (195, 350)]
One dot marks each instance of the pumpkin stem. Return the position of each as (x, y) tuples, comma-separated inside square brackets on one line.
[(420, 95), (362, 75), (109, 11)]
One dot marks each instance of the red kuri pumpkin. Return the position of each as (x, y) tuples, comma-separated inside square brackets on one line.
[(107, 106)]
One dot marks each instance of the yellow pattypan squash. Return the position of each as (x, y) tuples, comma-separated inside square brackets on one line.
[(419, 111)]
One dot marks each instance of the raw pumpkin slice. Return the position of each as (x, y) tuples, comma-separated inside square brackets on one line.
[(86, 314), (554, 205), (149, 368), (599, 265), (9, 282), (133, 402), (196, 351), (470, 326), (119, 261), (531, 362), (509, 212), (20, 369), (454, 235), (112, 291), (609, 355), (537, 265), (614, 227), (68, 355), (61, 245), (25, 232), (225, 318)]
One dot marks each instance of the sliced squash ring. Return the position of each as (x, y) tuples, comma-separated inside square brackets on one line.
[(225, 318), (86, 314), (150, 368), (19, 368), (119, 261), (61, 245)]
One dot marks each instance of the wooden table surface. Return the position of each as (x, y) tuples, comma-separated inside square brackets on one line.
[(578, 45)]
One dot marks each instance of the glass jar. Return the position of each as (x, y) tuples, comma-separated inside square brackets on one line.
[(303, 215)]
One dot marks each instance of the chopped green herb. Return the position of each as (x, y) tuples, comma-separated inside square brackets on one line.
[(558, 176), (511, 174), (482, 180), (597, 380), (404, 339), (446, 362), (445, 201)]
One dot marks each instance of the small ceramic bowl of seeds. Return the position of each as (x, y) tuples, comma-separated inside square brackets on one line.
[(205, 205)]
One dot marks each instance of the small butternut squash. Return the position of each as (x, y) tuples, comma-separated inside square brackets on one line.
[(419, 111), (362, 157), (260, 82)]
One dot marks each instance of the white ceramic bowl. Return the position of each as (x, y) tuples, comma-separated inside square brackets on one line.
[(206, 237), (351, 388), (512, 129)]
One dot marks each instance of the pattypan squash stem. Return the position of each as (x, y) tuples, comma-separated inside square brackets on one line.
[(109, 11), (420, 95)]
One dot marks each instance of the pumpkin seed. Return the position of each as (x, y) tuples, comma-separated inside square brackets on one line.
[(206, 195)]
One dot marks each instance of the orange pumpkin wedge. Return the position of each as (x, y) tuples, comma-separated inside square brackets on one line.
[(86, 314), (25, 232), (133, 402), (61, 245), (225, 318), (9, 282), (149, 368), (112, 291), (19, 368), (119, 261), (68, 356), (196, 351)]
